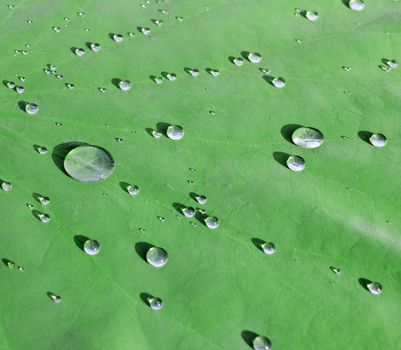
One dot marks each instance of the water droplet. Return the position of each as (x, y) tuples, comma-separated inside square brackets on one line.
[(45, 218), (133, 190), (57, 29), (31, 108), (158, 80), (175, 132), (21, 78), (164, 12), (299, 41), (312, 16), (67, 19), (374, 287), (79, 52), (156, 134), (44, 200), (10, 264), (24, 52), (346, 68), (190, 182), (141, 230), (157, 257), (20, 268), (212, 222), (393, 64), (59, 76), (346, 92), (171, 76), (307, 137), (161, 218), (10, 85), (212, 113), (70, 86), (356, 5), (91, 247), (119, 139), (268, 248), (81, 14), (125, 85), (145, 31), (202, 200), (52, 67), (88, 164), (296, 163), (336, 270), (238, 61), (86, 29), (118, 38), (102, 89), (194, 72), (278, 82), (214, 72), (188, 212), (41, 150), (158, 22), (58, 124), (378, 140), (56, 298), (155, 303), (255, 57), (298, 11), (29, 21), (6, 186), (261, 343), (95, 47)]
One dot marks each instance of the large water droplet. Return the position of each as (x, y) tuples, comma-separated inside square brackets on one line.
[(175, 132), (31, 108), (125, 85), (261, 343), (95, 47), (157, 257), (45, 218), (6, 186), (268, 248), (44, 200), (296, 163), (378, 140), (133, 190), (79, 52), (202, 200), (375, 288), (89, 163), (312, 16), (278, 82), (92, 247), (155, 303), (118, 38), (212, 222), (238, 61), (255, 57), (307, 137), (188, 212), (356, 5), (145, 31)]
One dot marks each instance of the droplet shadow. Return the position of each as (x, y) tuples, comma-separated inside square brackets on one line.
[(145, 297), (194, 195), (142, 248), (281, 158), (72, 49), (346, 3), (88, 45), (37, 196), (149, 131), (5, 82), (80, 240), (209, 71), (385, 61), (248, 337), (257, 242), (188, 70), (269, 79), (124, 186), (231, 59), (288, 130), (7, 261), (162, 127), (365, 135), (245, 55), (179, 207), (116, 82), (165, 75), (60, 153), (22, 105), (37, 214), (364, 282)]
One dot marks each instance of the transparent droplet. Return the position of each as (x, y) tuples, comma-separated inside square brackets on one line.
[(41, 150), (131, 35), (307, 137), (194, 72), (45, 218), (19, 89), (10, 264), (56, 298), (70, 86), (212, 222), (161, 218), (57, 29), (145, 31), (21, 78), (215, 72), (81, 14), (10, 85), (79, 52), (102, 89), (44, 200), (202, 200), (24, 52), (157, 257), (67, 19), (255, 57), (20, 268), (119, 139), (86, 29), (378, 140), (213, 113), (171, 76), (298, 11), (95, 47), (59, 76), (268, 248), (158, 22), (336, 270), (133, 190), (29, 21), (180, 18), (374, 287), (164, 12), (312, 16), (156, 134), (393, 64), (189, 212), (158, 80), (118, 38), (125, 85), (261, 343), (88, 164), (175, 132), (356, 5), (31, 108), (238, 61), (278, 82), (296, 163), (6, 186), (91, 247), (155, 303), (346, 68)]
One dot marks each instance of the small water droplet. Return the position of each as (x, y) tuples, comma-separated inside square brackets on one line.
[(255, 57), (29, 21), (161, 218), (155, 303), (55, 298), (356, 5), (45, 218), (385, 68), (145, 30), (79, 52), (95, 47), (374, 287), (44, 200), (296, 163), (70, 86), (158, 80), (6, 186), (59, 76), (261, 343), (278, 82), (119, 139), (299, 41), (125, 85), (118, 38), (41, 150), (133, 190), (268, 248), (346, 68), (238, 61), (179, 18), (19, 89), (194, 224), (190, 182), (214, 72), (21, 78), (336, 270), (171, 76), (58, 124), (212, 113), (158, 22), (31, 108), (102, 89), (10, 264), (164, 12), (156, 134), (347, 93), (202, 200), (52, 67), (81, 14), (86, 29), (188, 212), (312, 16), (157, 257), (11, 6), (141, 230), (175, 132), (20, 268), (378, 140), (212, 222), (91, 247), (10, 85), (307, 137), (57, 29), (67, 19), (194, 72)]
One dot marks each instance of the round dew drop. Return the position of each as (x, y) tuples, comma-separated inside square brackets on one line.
[(375, 288), (91, 247), (238, 61), (175, 132), (261, 343), (278, 82), (31, 108), (118, 38), (155, 303), (312, 16), (307, 137), (268, 248), (125, 85), (189, 212), (212, 222), (133, 190), (356, 5), (79, 52), (254, 57), (296, 163), (157, 257), (378, 140)]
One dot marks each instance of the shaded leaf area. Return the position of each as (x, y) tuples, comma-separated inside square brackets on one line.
[(219, 290)]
